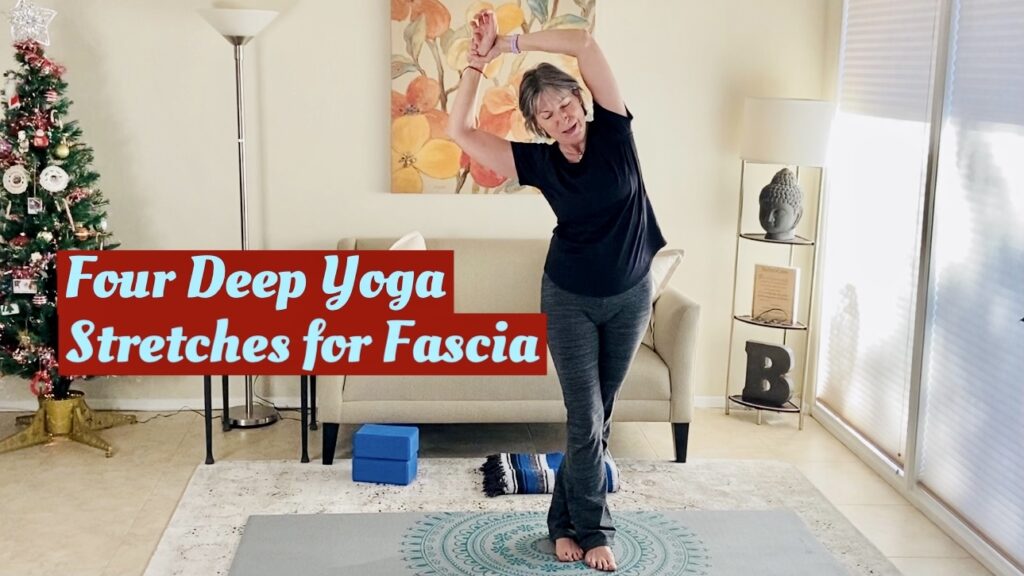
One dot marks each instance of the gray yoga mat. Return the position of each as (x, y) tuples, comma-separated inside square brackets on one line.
[(515, 544)]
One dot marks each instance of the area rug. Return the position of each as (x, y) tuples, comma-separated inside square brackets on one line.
[(692, 543), (204, 533)]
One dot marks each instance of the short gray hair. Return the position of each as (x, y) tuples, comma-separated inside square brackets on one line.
[(544, 77)]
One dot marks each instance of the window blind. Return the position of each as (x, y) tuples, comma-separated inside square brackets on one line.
[(972, 423), (872, 233)]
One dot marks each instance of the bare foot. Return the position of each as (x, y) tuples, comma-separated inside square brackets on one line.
[(601, 558), (567, 550)]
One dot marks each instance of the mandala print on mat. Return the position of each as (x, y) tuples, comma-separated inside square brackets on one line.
[(516, 544)]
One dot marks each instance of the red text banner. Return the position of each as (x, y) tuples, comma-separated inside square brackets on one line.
[(379, 312)]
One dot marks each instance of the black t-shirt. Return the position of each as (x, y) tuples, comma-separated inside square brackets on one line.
[(607, 233)]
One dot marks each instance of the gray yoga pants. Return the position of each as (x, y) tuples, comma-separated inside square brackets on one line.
[(593, 341)]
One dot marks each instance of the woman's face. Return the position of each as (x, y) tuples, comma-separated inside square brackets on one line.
[(560, 115)]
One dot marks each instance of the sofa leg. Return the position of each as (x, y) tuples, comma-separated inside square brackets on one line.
[(680, 434), (330, 441)]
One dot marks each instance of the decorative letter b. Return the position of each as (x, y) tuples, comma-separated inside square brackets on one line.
[(767, 374)]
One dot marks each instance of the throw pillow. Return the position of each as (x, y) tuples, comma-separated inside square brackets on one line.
[(411, 241), (663, 265)]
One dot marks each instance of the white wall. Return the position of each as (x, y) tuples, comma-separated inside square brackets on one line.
[(154, 90)]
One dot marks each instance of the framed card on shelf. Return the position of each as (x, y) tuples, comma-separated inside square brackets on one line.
[(776, 291)]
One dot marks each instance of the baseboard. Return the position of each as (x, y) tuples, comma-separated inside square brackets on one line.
[(709, 402), (151, 404), (175, 404)]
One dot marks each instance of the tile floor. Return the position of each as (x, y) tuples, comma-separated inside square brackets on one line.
[(65, 509)]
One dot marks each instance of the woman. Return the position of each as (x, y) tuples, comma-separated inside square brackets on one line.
[(596, 288)]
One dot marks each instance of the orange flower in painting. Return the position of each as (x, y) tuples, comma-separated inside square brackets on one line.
[(421, 98), (482, 175), (500, 113), (414, 154), (437, 16)]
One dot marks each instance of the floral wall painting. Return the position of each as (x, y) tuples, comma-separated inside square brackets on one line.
[(429, 42)]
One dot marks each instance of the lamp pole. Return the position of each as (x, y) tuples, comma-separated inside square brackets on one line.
[(250, 415), (240, 100), (238, 27)]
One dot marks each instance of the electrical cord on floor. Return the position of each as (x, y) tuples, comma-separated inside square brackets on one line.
[(272, 405), (180, 410), (219, 417), (215, 417)]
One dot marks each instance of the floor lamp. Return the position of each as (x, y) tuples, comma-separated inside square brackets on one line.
[(239, 27)]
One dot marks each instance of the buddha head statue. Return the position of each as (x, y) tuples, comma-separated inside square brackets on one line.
[(781, 206)]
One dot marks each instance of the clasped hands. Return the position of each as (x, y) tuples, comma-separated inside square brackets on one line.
[(484, 45)]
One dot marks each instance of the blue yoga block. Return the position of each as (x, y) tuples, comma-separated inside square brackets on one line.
[(383, 471), (386, 442)]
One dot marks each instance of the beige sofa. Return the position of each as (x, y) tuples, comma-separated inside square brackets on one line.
[(504, 275)]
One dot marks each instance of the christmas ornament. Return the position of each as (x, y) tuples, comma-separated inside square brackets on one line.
[(45, 236), (24, 338), (41, 383), (103, 225), (62, 151), (40, 139), (77, 194), (30, 22), (46, 357), (29, 50), (5, 148), (9, 309), (20, 356), (25, 286), (11, 91), (22, 141), (51, 96), (39, 299), (35, 205), (53, 179), (82, 233), (19, 240), (16, 179)]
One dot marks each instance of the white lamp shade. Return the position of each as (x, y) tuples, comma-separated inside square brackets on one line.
[(237, 22), (786, 131)]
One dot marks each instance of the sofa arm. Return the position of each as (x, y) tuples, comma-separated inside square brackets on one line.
[(328, 397), (676, 324)]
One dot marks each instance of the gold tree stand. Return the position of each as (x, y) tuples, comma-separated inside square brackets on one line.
[(72, 418)]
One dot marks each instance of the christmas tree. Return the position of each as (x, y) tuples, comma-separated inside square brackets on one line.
[(49, 202)]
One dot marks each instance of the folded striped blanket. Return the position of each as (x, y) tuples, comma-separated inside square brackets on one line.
[(519, 473)]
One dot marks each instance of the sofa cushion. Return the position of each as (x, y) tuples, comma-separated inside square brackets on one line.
[(647, 379)]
